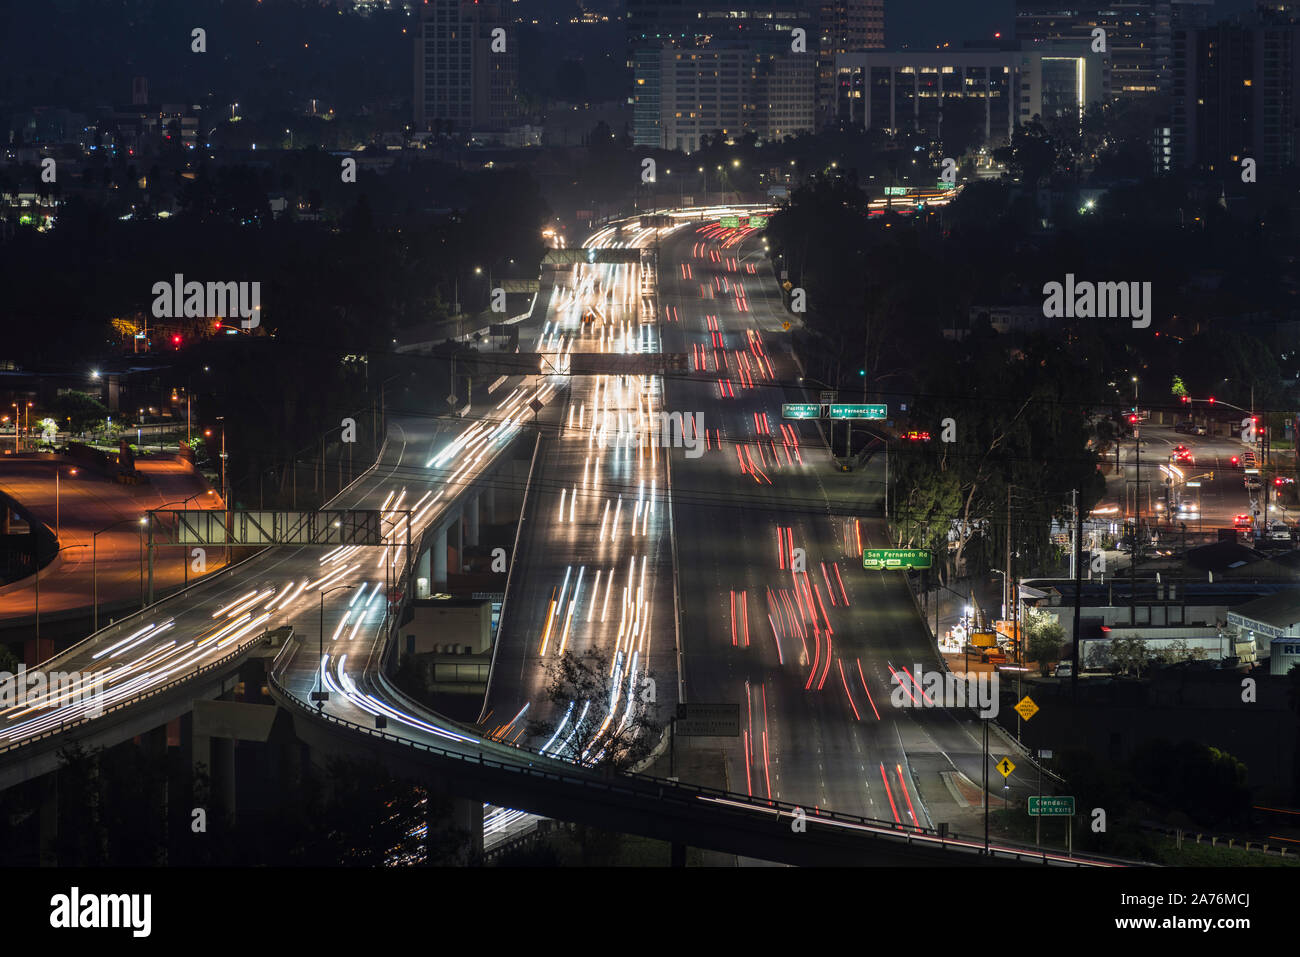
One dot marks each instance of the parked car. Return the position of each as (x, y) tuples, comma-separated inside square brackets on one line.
[(1189, 428)]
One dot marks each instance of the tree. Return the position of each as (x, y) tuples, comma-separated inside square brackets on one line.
[(1202, 781), (78, 410), (1045, 645), (1129, 656), (607, 711), (1030, 156)]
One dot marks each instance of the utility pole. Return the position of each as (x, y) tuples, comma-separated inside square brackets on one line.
[(1078, 588), (1074, 542), (1006, 579), (1137, 509)]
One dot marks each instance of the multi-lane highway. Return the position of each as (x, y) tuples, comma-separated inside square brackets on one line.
[(777, 615), (594, 558), (425, 462)]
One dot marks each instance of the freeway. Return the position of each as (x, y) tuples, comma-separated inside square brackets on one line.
[(423, 465), (818, 749), (594, 548), (778, 614)]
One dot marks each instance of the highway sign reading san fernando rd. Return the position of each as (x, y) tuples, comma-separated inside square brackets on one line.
[(900, 558), (841, 410)]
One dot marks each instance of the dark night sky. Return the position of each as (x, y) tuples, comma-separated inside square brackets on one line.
[(927, 22)]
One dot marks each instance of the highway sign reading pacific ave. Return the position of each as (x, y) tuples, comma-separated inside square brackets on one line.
[(708, 720), (896, 558), (1051, 806), (801, 410)]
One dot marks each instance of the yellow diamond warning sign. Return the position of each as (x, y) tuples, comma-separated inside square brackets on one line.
[(1026, 708), (1005, 767)]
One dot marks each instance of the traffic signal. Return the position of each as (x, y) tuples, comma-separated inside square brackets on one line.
[(1132, 419), (1211, 400), (1186, 399), (176, 341)]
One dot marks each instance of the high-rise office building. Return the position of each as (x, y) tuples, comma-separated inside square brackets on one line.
[(1138, 35), (737, 73), (1236, 91), (909, 90), (465, 67), (733, 91), (843, 26)]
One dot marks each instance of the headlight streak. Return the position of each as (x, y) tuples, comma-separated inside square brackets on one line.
[(109, 651), (121, 682)]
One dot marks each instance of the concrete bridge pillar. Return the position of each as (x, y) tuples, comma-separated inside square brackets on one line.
[(47, 829), (471, 522), (454, 822), (439, 552), (422, 574)]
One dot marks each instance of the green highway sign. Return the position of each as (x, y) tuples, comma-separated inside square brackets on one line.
[(1055, 806), (758, 222), (896, 558), (730, 222), (801, 410), (895, 190), (842, 411)]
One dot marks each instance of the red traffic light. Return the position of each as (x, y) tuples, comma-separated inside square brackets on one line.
[(1133, 419), (1211, 399), (176, 340)]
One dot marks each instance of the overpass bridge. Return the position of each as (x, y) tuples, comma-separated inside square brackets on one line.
[(659, 808)]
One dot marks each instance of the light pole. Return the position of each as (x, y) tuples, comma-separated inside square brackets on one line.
[(831, 426), (94, 562), (185, 562), (56, 499), (321, 696)]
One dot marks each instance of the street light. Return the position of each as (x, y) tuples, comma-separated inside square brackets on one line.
[(321, 696), (185, 559), (94, 562), (56, 498)]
